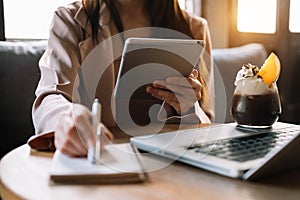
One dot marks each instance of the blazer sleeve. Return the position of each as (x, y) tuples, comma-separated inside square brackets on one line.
[(58, 66)]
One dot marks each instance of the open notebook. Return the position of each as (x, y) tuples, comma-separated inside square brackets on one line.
[(119, 163)]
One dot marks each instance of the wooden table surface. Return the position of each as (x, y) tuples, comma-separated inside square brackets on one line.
[(24, 175)]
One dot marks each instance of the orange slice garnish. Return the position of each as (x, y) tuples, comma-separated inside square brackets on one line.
[(270, 70)]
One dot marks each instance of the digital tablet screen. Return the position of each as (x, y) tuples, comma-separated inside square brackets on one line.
[(145, 60)]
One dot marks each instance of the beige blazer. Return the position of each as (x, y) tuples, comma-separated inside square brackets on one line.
[(69, 44)]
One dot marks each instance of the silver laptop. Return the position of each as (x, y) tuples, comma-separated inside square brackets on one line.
[(229, 150)]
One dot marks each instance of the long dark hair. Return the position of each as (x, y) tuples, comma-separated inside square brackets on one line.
[(163, 13)]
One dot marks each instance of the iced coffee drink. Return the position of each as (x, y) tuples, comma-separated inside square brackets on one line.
[(256, 101)]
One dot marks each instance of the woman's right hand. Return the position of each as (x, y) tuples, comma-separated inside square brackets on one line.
[(75, 132)]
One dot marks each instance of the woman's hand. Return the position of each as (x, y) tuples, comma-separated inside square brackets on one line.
[(179, 92), (75, 132)]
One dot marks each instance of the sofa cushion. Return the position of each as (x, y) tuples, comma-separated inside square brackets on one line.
[(228, 62), (19, 75)]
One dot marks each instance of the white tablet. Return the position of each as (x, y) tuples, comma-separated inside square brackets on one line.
[(147, 59)]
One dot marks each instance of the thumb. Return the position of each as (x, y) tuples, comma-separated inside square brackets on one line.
[(194, 74)]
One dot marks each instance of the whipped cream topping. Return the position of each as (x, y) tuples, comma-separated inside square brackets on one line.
[(247, 82), (247, 71)]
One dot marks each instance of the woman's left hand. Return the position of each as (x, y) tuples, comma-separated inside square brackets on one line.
[(179, 92)]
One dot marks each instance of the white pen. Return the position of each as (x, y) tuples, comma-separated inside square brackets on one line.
[(94, 152)]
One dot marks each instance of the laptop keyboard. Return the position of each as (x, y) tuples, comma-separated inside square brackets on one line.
[(247, 148)]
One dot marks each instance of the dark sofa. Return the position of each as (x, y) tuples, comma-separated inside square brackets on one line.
[(19, 75)]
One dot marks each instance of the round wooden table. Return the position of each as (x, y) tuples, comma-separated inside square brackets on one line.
[(25, 175)]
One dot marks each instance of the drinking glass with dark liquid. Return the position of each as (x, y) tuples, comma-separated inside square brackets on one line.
[(255, 102), (256, 111)]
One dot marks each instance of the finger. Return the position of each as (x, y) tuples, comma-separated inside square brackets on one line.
[(195, 83), (185, 92), (159, 84), (189, 81), (67, 147), (73, 137), (107, 133), (181, 106), (162, 94), (172, 100), (194, 74), (104, 140), (71, 150), (180, 81), (166, 96), (85, 129), (64, 138), (78, 143), (168, 86)]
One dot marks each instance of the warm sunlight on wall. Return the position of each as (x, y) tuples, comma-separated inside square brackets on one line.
[(187, 5), (257, 16), (182, 3)]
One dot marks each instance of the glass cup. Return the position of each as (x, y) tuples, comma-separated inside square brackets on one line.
[(256, 110)]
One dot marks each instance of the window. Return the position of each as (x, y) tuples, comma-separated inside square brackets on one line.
[(30, 19), (257, 16), (182, 3), (294, 24), (192, 6)]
